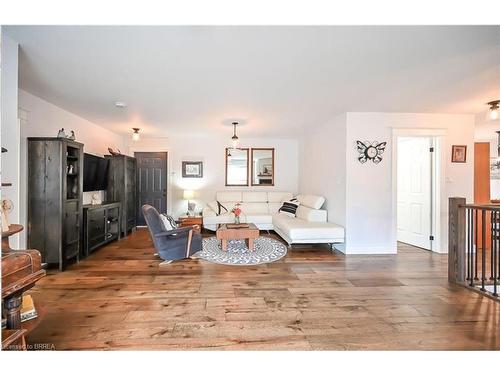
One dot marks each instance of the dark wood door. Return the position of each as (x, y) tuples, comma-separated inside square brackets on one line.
[(151, 182)]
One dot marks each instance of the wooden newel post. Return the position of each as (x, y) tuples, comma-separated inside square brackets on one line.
[(456, 240)]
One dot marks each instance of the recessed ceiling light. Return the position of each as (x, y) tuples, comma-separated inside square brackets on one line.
[(120, 104)]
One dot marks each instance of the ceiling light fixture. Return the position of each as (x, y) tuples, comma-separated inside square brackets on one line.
[(120, 104), (235, 138), (494, 105), (135, 134)]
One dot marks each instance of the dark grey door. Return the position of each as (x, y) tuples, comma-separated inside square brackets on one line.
[(151, 182)]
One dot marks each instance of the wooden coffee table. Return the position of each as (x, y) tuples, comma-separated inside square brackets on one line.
[(224, 234)]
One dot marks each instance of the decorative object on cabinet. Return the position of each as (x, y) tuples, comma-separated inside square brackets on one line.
[(61, 133), (370, 151), (122, 188), (192, 169), (101, 225), (96, 199), (262, 166), (7, 206), (72, 136), (113, 152), (458, 154), (55, 199)]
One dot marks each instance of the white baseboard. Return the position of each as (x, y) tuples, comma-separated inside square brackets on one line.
[(369, 250)]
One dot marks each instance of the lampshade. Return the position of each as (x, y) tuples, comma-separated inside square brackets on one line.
[(188, 194)]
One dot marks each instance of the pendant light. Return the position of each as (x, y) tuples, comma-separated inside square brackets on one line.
[(235, 138), (135, 134), (494, 106)]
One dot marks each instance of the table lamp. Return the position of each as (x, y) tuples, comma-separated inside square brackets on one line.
[(187, 195)]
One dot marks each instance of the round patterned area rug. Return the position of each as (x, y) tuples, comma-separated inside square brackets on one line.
[(266, 250)]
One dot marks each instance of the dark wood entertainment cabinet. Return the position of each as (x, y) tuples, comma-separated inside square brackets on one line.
[(101, 225), (55, 187)]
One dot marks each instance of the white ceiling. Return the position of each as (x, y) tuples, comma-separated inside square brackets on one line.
[(279, 80)]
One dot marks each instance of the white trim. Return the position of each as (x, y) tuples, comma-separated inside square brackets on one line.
[(438, 179), (370, 250)]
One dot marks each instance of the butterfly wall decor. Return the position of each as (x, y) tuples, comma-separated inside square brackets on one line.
[(370, 151)]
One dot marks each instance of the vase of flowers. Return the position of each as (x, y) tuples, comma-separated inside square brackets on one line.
[(237, 212)]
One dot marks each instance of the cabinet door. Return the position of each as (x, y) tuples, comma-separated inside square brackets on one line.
[(112, 217), (71, 223), (54, 211), (96, 225), (130, 183), (36, 197)]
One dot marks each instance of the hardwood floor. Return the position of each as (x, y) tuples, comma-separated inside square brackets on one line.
[(119, 298)]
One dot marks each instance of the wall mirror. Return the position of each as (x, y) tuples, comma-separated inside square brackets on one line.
[(237, 167), (262, 166)]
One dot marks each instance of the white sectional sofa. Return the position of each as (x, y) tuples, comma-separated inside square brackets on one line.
[(261, 208)]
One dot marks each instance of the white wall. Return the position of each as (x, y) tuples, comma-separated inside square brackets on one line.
[(211, 150), (370, 196), (10, 128), (323, 166), (369, 212), (40, 118)]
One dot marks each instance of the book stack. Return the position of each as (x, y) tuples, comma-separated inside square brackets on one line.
[(28, 310)]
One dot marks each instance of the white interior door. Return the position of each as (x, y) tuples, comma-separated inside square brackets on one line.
[(414, 191)]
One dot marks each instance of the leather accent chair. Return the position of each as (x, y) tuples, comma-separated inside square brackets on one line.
[(179, 243)]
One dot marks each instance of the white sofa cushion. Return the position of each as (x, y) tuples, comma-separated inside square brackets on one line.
[(254, 196), (278, 197), (221, 219), (301, 230), (274, 207), (254, 208), (229, 196), (259, 218), (311, 201), (310, 214)]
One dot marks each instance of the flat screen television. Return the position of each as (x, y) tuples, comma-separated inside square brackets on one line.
[(95, 173)]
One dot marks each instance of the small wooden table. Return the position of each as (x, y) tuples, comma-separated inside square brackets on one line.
[(196, 221), (224, 234)]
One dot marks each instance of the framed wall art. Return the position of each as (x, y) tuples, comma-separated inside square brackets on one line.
[(192, 169), (458, 154)]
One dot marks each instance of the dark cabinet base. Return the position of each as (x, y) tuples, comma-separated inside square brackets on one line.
[(101, 225)]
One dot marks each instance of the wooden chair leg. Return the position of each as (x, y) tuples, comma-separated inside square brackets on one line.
[(12, 307), (190, 237)]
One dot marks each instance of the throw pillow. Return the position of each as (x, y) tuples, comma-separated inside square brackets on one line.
[(221, 208), (168, 222), (217, 207), (214, 206), (289, 208)]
